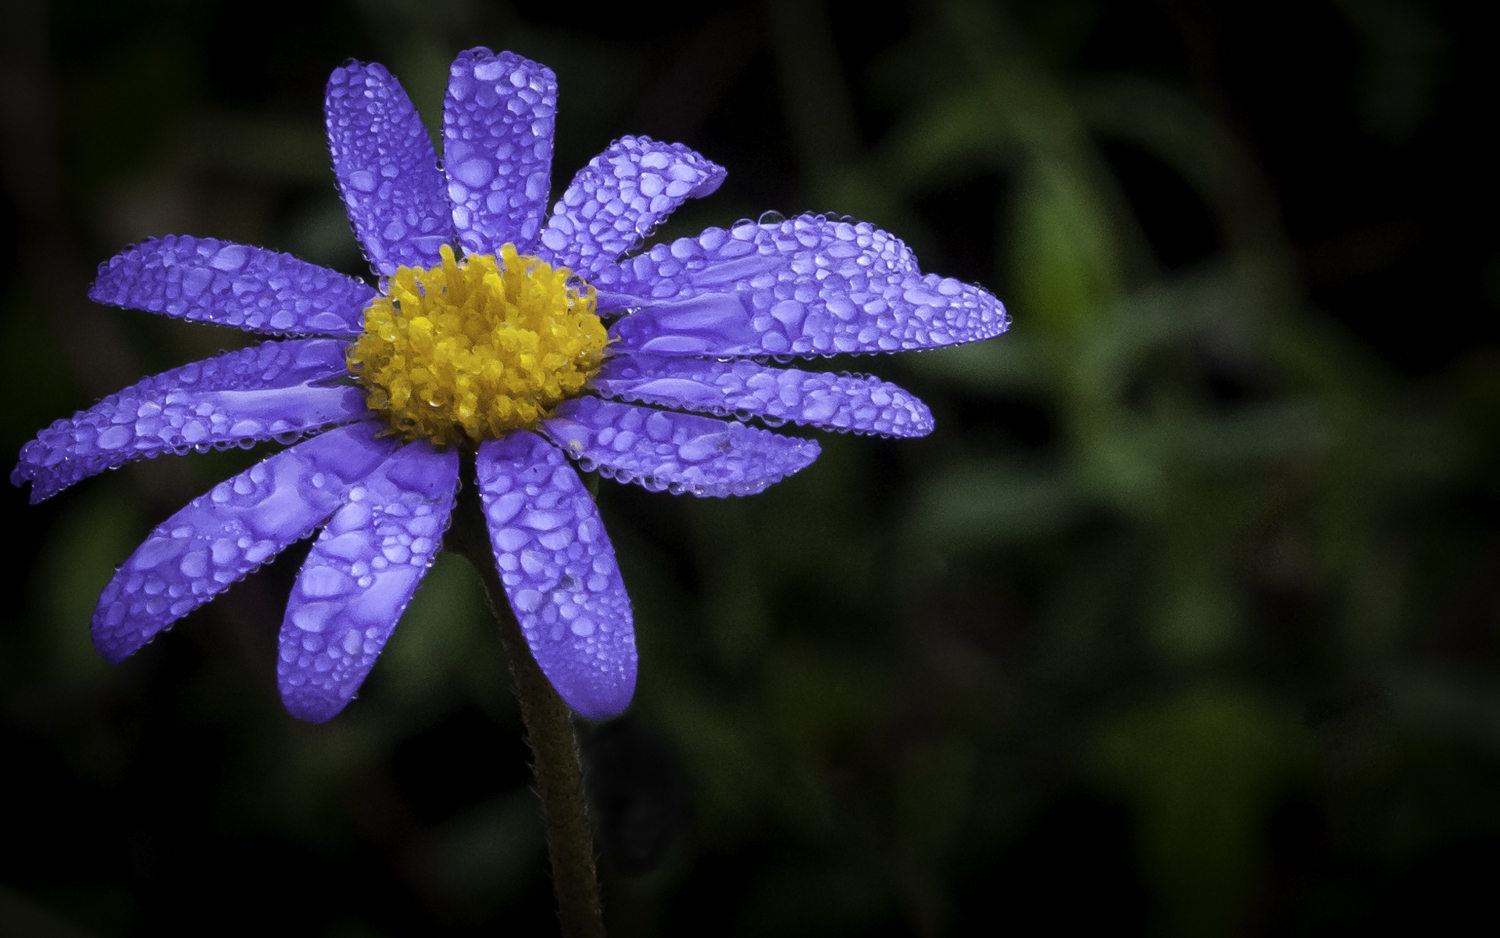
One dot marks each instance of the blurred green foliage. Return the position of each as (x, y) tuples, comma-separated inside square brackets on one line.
[(1182, 623)]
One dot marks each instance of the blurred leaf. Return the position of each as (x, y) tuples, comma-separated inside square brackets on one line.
[(1402, 63), (438, 633), (1067, 264), (934, 791), (1197, 616), (1448, 706), (1020, 360), (1164, 121), (1201, 773), (821, 703), (1004, 117), (96, 531), (252, 145), (987, 504)]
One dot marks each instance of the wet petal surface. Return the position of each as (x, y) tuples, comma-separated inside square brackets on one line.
[(802, 286), (497, 148), (742, 388), (240, 397), (685, 453), (559, 572), (223, 535), (619, 198), (387, 169), (228, 284), (361, 573)]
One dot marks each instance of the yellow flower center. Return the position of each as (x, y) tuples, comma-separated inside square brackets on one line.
[(467, 350)]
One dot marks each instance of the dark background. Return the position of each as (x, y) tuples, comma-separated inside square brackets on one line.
[(1183, 622)]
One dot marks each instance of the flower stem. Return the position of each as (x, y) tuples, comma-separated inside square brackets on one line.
[(549, 730)]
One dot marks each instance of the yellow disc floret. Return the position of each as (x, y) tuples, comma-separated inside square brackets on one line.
[(464, 351)]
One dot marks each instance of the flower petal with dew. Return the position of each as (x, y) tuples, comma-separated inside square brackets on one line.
[(559, 571), (500, 353), (278, 390), (497, 148), (359, 576)]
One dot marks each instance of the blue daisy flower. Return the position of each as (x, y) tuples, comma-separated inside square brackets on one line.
[(502, 352)]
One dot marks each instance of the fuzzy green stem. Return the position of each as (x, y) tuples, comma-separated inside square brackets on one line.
[(549, 730)]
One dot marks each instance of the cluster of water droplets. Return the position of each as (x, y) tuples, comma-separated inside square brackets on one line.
[(662, 450), (228, 284), (386, 168), (616, 201), (802, 286), (497, 147), (225, 534), (359, 577), (275, 390), (559, 572), (744, 389)]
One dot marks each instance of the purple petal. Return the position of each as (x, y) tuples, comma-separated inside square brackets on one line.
[(742, 388), (230, 284), (386, 168), (223, 535), (559, 573), (240, 397), (497, 148), (615, 201), (361, 573), (803, 286), (681, 452)]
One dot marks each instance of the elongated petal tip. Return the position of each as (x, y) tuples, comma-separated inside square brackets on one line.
[(619, 198), (386, 168), (361, 573), (683, 453), (498, 119), (229, 284), (750, 291), (559, 573), (599, 702), (224, 535), (274, 390), (742, 388), (313, 708)]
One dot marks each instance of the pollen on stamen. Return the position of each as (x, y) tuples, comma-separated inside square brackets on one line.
[(467, 350)]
